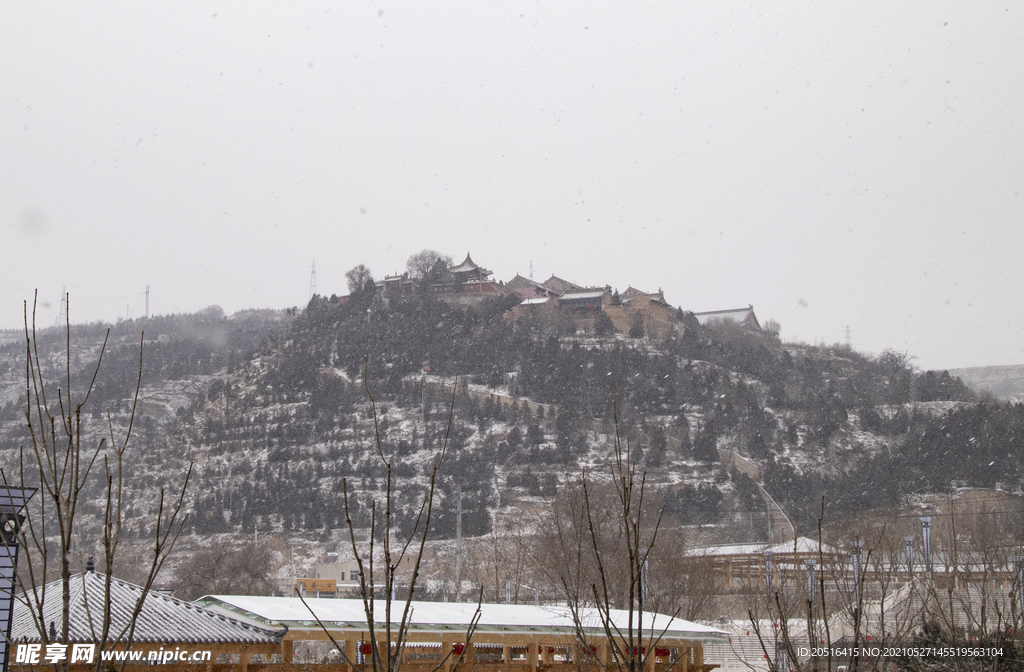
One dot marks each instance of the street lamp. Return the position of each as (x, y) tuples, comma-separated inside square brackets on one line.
[(781, 660), (810, 583), (909, 542), (12, 501), (768, 571), (856, 546), (926, 534), (856, 587), (1018, 561)]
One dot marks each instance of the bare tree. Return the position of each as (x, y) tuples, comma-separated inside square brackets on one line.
[(502, 559), (66, 459), (357, 278), (608, 576), (393, 563), (886, 583), (222, 570), (677, 580), (898, 373), (425, 261)]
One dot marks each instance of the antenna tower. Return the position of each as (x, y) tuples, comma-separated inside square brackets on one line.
[(147, 302), (847, 335), (312, 280), (62, 316), (531, 269)]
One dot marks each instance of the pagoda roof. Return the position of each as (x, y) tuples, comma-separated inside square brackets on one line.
[(469, 265)]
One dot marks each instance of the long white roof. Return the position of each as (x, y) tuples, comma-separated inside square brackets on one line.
[(803, 546), (441, 616), (581, 295)]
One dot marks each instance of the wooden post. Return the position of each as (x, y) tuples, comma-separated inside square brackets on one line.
[(532, 649), (506, 654), (245, 658), (352, 653), (287, 646), (447, 654)]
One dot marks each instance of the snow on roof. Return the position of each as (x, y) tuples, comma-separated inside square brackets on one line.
[(162, 619), (725, 549), (735, 315), (804, 546), (537, 301), (521, 282), (441, 616), (468, 265), (580, 295), (560, 284)]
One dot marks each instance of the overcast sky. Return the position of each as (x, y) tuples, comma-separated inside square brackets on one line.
[(835, 165)]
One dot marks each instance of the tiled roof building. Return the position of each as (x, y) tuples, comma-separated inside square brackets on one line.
[(742, 316), (162, 621)]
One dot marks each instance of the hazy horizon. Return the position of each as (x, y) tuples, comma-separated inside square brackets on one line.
[(838, 168)]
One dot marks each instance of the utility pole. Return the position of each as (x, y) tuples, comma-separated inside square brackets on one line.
[(312, 280), (458, 541), (423, 395), (147, 302)]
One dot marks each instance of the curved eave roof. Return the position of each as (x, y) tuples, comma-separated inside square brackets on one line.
[(467, 266)]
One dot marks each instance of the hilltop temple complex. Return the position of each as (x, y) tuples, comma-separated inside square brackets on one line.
[(633, 311)]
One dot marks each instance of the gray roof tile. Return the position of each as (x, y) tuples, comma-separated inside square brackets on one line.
[(162, 618)]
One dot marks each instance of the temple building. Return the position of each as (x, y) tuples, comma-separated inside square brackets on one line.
[(744, 317), (469, 271)]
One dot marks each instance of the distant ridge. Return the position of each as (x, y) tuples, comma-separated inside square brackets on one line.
[(1005, 382)]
